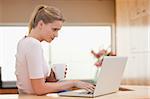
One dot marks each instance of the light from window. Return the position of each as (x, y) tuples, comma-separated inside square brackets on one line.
[(73, 47), (9, 37)]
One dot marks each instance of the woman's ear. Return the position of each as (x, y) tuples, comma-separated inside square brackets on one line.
[(40, 24)]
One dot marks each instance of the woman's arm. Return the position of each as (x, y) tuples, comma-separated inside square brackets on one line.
[(40, 87)]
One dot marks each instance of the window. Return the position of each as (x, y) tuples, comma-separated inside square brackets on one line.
[(9, 37), (72, 47)]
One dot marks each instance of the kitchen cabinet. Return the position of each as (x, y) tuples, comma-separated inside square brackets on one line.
[(138, 8), (133, 39), (139, 34)]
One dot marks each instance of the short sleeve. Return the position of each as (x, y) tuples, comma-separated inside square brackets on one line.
[(34, 57)]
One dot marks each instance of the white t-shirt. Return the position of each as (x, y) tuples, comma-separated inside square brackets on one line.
[(30, 64)]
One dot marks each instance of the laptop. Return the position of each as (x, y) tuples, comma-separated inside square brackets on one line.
[(108, 80)]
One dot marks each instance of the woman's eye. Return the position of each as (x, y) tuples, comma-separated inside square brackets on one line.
[(54, 29)]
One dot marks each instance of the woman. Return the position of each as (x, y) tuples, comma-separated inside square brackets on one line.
[(31, 68)]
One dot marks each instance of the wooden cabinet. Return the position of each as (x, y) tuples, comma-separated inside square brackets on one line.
[(138, 63), (133, 8), (139, 34), (142, 6), (148, 70), (138, 8), (133, 38)]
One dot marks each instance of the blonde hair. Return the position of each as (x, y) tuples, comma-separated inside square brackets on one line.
[(45, 13)]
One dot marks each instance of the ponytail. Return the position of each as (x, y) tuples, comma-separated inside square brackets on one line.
[(45, 13)]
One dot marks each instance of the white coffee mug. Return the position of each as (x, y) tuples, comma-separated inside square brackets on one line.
[(59, 70)]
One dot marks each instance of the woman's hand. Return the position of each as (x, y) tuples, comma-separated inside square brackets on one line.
[(84, 85)]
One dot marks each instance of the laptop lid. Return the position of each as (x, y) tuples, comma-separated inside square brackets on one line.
[(110, 75)]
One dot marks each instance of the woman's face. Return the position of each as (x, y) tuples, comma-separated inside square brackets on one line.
[(50, 30)]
